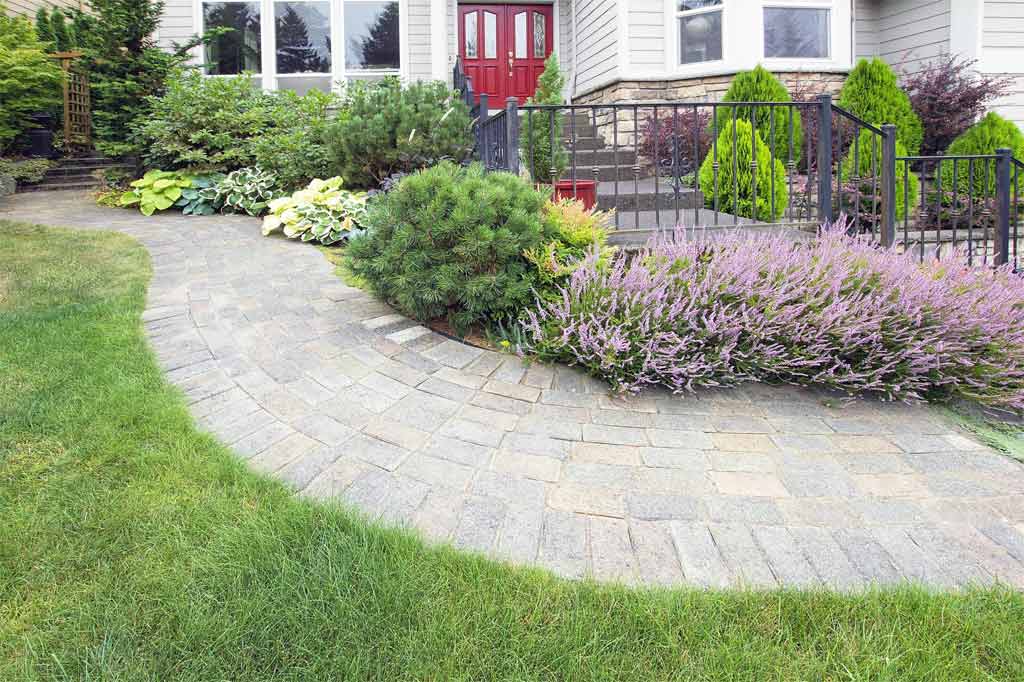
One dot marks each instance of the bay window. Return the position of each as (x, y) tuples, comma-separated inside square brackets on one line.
[(796, 32), (310, 44), (700, 30)]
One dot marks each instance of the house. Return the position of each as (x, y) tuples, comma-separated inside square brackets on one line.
[(610, 50), (28, 8)]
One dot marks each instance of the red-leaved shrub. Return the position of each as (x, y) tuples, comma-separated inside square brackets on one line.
[(678, 140), (837, 312)]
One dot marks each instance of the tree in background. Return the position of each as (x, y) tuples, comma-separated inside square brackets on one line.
[(29, 79), (379, 49), (296, 54)]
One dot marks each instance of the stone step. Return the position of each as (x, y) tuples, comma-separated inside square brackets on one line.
[(54, 186)]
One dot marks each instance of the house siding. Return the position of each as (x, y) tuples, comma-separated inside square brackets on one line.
[(646, 35), (28, 8), (597, 61), (912, 32), (418, 66), (1002, 51), (865, 29), (177, 24)]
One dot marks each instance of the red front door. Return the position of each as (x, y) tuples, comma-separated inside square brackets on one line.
[(503, 48)]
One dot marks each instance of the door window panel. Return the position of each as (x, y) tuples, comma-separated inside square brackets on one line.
[(520, 30), (470, 24), (490, 35), (539, 35)]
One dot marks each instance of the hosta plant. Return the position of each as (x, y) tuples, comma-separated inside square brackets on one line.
[(196, 199), (323, 212), (157, 190), (246, 190)]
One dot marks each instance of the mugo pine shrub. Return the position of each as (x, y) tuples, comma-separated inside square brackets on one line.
[(872, 93), (773, 123), (837, 312), (384, 128), (731, 189), (449, 242), (984, 137)]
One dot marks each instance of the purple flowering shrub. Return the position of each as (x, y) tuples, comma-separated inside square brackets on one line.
[(838, 312)]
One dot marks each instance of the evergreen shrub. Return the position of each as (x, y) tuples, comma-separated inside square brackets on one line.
[(735, 186), (538, 128), (984, 137), (761, 85), (872, 93)]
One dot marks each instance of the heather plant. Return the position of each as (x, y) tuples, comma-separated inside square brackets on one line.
[(780, 128), (734, 188), (676, 141), (837, 312), (449, 241), (871, 92), (949, 95), (985, 137)]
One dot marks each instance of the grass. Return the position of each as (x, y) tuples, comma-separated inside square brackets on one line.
[(133, 547)]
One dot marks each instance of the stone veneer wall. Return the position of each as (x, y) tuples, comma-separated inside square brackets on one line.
[(803, 85)]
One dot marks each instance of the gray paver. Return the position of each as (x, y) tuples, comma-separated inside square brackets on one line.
[(334, 392)]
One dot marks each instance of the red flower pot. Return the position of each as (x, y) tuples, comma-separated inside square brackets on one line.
[(583, 190)]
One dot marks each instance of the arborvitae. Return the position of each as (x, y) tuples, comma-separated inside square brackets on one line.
[(867, 155), (761, 85), (984, 137), (61, 35), (44, 30), (734, 187), (540, 127), (871, 92)]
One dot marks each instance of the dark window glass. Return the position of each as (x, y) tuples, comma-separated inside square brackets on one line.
[(700, 37), (303, 37), (237, 50), (371, 35), (799, 32)]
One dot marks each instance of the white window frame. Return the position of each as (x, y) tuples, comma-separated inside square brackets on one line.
[(339, 73), (674, 47)]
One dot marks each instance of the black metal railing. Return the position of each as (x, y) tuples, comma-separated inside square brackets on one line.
[(667, 164)]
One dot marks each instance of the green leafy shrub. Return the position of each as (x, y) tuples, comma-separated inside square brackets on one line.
[(574, 231), (761, 85), (735, 187), (157, 190), (384, 128), (862, 161), (539, 127), (25, 170), (29, 80), (871, 92), (294, 148), (323, 212), (449, 242), (246, 190), (196, 200), (984, 137)]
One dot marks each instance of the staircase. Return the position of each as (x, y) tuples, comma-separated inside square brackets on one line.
[(79, 173)]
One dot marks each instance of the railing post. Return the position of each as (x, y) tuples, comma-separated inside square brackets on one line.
[(888, 226), (512, 135), (1003, 161), (825, 158), (481, 119)]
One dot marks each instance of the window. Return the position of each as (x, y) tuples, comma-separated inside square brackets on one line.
[(371, 36), (796, 32), (236, 50), (700, 30), (471, 41), (303, 37), (539, 36), (520, 34)]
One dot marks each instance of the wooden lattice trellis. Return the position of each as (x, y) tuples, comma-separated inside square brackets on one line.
[(77, 106)]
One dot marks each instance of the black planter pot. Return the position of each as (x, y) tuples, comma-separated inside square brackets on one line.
[(40, 139)]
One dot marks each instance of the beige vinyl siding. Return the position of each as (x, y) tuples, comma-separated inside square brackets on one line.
[(645, 33), (178, 23), (597, 63), (865, 29), (912, 32), (1002, 40), (419, 66), (28, 8), (563, 15)]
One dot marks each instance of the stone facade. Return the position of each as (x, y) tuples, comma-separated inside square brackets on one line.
[(801, 85)]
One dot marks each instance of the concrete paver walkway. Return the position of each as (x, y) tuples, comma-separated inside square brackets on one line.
[(325, 387)]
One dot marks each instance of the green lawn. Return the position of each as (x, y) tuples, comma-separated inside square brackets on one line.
[(132, 547)]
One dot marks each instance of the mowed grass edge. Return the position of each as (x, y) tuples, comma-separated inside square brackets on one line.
[(134, 547)]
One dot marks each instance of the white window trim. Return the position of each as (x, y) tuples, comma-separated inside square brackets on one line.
[(339, 73), (743, 41)]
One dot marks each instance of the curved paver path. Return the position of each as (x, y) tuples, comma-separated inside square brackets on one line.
[(325, 387)]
